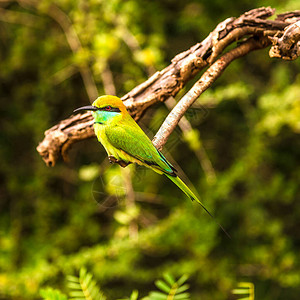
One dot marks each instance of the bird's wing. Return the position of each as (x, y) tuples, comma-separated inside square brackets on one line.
[(132, 140)]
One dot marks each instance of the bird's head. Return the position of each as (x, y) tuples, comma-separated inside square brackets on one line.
[(106, 109)]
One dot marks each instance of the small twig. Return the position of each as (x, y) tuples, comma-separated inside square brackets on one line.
[(108, 80), (206, 80), (17, 17), (63, 74)]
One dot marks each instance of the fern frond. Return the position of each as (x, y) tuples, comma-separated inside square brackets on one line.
[(170, 289), (52, 294), (245, 288), (134, 296), (84, 287)]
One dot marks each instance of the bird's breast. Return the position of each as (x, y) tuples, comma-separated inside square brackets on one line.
[(102, 138), (100, 133)]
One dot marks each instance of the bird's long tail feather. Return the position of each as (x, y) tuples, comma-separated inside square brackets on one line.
[(193, 197)]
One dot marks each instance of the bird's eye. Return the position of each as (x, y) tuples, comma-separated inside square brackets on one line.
[(108, 108)]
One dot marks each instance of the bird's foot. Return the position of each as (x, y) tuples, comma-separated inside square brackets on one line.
[(122, 163), (112, 159)]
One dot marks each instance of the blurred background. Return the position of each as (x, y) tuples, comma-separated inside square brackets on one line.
[(129, 226)]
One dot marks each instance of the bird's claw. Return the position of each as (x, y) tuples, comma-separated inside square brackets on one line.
[(112, 159), (122, 163)]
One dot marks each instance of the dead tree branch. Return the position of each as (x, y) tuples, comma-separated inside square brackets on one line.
[(286, 45), (206, 80), (251, 26)]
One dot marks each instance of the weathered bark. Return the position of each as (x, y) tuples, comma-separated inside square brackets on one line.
[(206, 80), (251, 26), (286, 44)]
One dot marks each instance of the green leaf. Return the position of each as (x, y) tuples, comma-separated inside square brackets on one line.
[(240, 291), (73, 286), (157, 296), (76, 294), (162, 286), (182, 288), (182, 296), (134, 295), (182, 279), (52, 294), (73, 278), (169, 278)]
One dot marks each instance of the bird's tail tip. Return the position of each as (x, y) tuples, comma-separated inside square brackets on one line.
[(222, 228), (193, 197)]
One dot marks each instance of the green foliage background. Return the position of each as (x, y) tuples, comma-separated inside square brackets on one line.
[(53, 221)]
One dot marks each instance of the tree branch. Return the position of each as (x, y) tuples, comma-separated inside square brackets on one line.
[(206, 80), (286, 45), (172, 79), (17, 17)]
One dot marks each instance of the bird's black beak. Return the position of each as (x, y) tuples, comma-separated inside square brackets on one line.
[(89, 107)]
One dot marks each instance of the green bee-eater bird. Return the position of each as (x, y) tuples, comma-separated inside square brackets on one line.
[(125, 142)]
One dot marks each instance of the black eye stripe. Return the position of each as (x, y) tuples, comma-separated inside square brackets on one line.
[(109, 109)]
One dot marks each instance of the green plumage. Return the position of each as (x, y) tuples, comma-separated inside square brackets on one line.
[(126, 142), (134, 142)]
